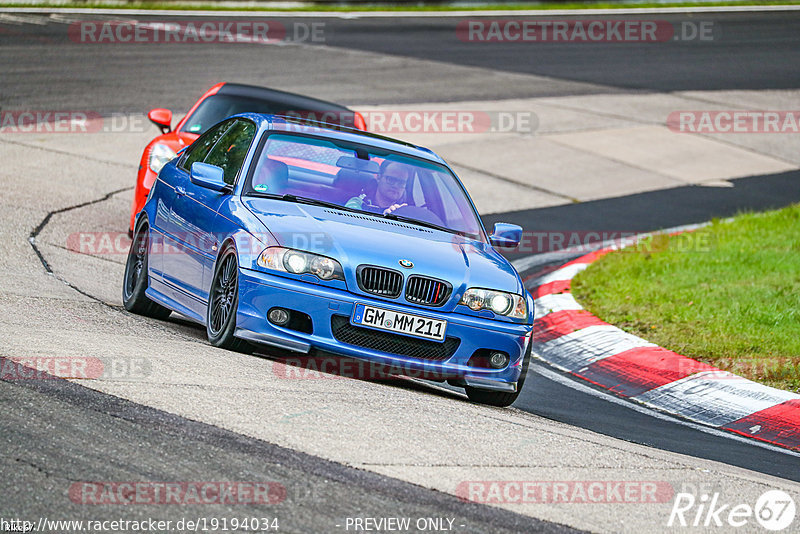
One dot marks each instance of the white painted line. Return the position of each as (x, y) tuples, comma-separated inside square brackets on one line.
[(578, 349), (411, 14), (547, 304), (5, 18), (11, 19), (66, 19), (583, 388), (529, 262), (234, 37), (59, 18), (565, 273), (714, 398)]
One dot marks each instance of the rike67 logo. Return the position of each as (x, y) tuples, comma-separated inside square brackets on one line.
[(774, 510)]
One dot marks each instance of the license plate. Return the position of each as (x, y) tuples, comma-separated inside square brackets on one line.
[(399, 323)]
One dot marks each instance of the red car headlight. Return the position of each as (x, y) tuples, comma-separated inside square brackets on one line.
[(160, 155)]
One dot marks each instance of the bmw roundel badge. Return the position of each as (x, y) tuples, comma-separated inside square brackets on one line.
[(406, 263)]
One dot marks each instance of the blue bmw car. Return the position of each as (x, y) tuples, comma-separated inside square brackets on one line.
[(321, 239)]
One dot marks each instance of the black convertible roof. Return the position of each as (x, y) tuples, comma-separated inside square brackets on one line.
[(290, 100)]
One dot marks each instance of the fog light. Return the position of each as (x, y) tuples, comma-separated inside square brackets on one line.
[(278, 316), (498, 360)]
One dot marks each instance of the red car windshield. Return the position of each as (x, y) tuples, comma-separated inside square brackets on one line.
[(218, 107), (365, 178)]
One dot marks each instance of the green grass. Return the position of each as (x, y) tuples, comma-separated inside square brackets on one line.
[(727, 294), (367, 7)]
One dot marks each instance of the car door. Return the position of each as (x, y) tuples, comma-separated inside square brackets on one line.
[(228, 154), (181, 262), (195, 209)]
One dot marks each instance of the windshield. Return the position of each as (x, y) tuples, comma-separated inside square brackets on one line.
[(364, 178), (218, 107)]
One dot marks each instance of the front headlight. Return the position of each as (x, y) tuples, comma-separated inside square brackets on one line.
[(299, 262), (160, 155), (501, 303)]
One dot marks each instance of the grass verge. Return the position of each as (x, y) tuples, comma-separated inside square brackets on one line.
[(727, 295), (182, 5)]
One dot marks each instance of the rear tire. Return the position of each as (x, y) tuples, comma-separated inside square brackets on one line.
[(134, 283), (223, 303), (501, 399)]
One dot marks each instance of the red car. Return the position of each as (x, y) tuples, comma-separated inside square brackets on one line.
[(221, 101)]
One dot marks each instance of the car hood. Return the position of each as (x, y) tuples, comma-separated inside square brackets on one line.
[(355, 239)]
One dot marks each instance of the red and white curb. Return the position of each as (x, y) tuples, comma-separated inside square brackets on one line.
[(573, 340)]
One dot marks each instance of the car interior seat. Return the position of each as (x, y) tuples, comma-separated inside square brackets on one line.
[(355, 177)]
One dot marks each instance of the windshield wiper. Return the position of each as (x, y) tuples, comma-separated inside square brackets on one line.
[(307, 200), (312, 201), (426, 224)]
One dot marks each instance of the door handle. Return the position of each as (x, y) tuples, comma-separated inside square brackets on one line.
[(180, 190)]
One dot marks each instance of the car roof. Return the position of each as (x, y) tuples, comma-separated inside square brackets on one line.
[(340, 133), (290, 100)]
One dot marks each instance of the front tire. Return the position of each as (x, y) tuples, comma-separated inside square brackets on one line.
[(223, 303), (501, 399), (134, 283)]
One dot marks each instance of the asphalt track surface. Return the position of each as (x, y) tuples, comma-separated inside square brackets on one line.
[(43, 70), (736, 58), (114, 430)]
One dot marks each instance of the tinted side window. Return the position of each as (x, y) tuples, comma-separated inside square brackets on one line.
[(200, 148), (230, 150)]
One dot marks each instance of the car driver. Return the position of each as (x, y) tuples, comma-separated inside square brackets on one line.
[(390, 191)]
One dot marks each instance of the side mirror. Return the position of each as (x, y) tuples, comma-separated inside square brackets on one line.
[(506, 235), (208, 176), (161, 118)]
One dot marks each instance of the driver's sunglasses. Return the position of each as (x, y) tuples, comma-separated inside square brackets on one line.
[(398, 181)]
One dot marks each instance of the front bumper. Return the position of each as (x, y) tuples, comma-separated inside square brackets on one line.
[(259, 292)]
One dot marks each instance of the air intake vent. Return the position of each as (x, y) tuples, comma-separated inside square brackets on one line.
[(379, 281), (379, 220), (427, 291), (392, 343)]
